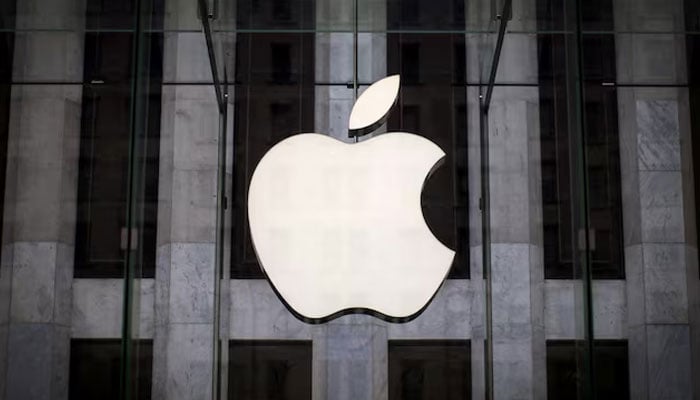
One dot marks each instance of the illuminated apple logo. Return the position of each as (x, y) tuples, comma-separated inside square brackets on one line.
[(338, 228)]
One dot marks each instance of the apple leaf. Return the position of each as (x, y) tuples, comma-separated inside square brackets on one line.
[(372, 107)]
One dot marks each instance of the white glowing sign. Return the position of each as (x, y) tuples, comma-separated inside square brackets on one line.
[(339, 227)]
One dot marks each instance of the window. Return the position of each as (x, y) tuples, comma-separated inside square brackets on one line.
[(692, 18), (281, 62), (281, 10), (274, 99), (269, 370), (104, 147), (7, 39), (610, 369), (602, 151), (275, 14), (432, 103), (429, 369), (115, 15), (410, 63), (425, 15), (106, 14), (95, 366)]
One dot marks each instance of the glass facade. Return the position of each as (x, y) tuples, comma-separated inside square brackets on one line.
[(130, 130)]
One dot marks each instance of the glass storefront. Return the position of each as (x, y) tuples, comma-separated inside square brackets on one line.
[(130, 131)]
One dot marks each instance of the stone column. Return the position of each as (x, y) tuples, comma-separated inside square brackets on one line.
[(477, 18), (476, 319), (185, 269), (40, 200), (519, 359), (350, 359), (660, 249)]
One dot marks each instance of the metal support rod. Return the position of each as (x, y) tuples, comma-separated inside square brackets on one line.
[(204, 14), (580, 145), (138, 129), (221, 101), (355, 86), (486, 249), (485, 202), (355, 53), (220, 234), (505, 17)]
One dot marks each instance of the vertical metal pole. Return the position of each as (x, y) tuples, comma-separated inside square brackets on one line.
[(355, 86), (486, 247), (486, 197), (221, 100), (137, 126), (581, 179), (220, 226), (355, 55)]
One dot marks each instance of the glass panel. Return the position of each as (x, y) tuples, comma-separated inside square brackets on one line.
[(287, 77), (539, 215), (129, 132), (90, 94)]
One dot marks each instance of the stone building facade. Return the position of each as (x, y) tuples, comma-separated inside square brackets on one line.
[(650, 309)]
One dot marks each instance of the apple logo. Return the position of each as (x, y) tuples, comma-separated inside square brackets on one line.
[(338, 228)]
